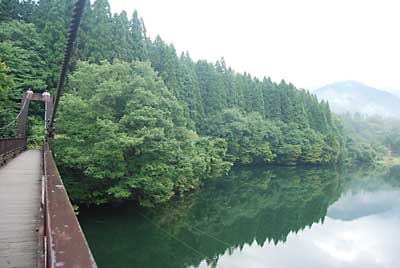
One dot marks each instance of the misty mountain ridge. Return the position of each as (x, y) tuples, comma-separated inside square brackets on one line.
[(355, 97)]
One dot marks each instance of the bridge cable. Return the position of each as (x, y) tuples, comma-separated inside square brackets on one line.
[(199, 253), (195, 229), (71, 37), (16, 118)]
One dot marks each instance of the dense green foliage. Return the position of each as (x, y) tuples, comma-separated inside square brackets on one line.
[(125, 133), (6, 113), (139, 121), (372, 138), (22, 66)]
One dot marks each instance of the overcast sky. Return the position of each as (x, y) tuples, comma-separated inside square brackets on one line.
[(308, 42)]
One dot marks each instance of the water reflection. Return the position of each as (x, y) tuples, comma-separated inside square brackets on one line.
[(259, 218)]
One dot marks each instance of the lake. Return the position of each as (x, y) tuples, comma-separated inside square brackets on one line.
[(259, 217)]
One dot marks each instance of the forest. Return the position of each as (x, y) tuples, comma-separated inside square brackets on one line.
[(138, 121), (375, 136)]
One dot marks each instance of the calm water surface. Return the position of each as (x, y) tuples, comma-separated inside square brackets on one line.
[(259, 217)]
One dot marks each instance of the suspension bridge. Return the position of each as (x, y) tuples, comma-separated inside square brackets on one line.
[(38, 226)]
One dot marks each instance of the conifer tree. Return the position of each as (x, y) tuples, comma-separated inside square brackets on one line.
[(122, 42), (138, 40), (99, 42)]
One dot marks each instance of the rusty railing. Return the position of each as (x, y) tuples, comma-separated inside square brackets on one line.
[(11, 147), (64, 243)]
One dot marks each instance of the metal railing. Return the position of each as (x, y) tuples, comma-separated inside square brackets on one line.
[(10, 147), (63, 243)]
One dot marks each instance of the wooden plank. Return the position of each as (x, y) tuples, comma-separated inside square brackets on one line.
[(19, 210)]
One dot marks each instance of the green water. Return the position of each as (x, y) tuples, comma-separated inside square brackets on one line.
[(259, 217)]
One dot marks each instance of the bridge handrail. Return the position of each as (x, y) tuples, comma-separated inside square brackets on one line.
[(65, 244), (9, 147)]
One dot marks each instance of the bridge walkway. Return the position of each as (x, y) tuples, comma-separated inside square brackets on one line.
[(20, 188)]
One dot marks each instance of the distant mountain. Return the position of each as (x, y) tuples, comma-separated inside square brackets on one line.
[(353, 97)]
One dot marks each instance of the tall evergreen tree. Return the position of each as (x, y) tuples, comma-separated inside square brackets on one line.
[(99, 42), (22, 50), (52, 22), (122, 41), (189, 90), (138, 40)]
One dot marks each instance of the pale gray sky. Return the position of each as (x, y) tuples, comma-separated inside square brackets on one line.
[(308, 42)]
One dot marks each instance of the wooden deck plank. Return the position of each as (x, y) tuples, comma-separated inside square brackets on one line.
[(19, 210)]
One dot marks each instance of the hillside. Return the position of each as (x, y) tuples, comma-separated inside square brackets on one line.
[(355, 97), (138, 121)]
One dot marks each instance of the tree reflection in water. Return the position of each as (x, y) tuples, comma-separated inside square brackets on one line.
[(251, 205)]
